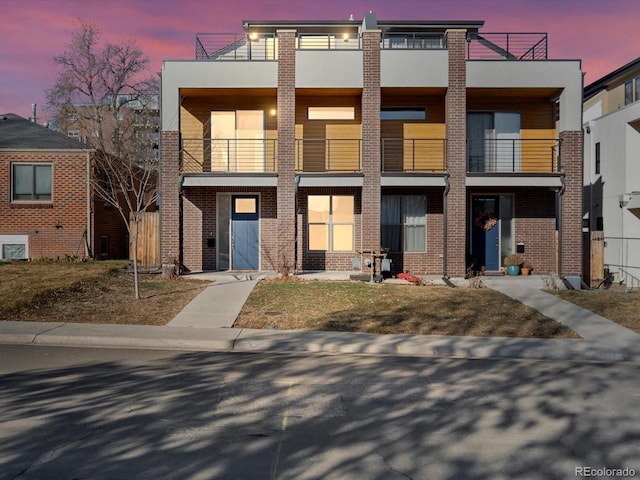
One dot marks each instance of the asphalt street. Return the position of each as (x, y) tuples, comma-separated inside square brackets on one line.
[(74, 413)]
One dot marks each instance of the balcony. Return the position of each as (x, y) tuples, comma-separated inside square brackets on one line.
[(527, 156), (229, 155), (414, 155), (507, 46), (328, 155), (236, 47), (413, 41)]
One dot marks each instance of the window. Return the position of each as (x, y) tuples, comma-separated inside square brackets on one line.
[(403, 114), (31, 181), (104, 245), (74, 134), (403, 223), (331, 113), (597, 162), (14, 247), (628, 93), (636, 86), (331, 220)]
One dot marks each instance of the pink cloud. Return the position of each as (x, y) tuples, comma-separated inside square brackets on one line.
[(598, 32)]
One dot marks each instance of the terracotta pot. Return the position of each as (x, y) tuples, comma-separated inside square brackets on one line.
[(524, 271)]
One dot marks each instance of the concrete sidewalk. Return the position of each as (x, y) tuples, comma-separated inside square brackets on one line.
[(204, 325)]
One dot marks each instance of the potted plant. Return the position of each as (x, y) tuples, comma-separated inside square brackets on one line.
[(513, 263), (526, 267)]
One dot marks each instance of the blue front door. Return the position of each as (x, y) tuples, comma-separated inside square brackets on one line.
[(485, 239), (245, 234)]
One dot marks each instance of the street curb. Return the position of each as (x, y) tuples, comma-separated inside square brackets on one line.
[(296, 341)]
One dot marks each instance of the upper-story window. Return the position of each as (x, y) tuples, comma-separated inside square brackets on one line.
[(632, 91), (331, 113), (31, 182), (628, 92), (403, 113)]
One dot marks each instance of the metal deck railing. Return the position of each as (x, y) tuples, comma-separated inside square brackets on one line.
[(507, 46)]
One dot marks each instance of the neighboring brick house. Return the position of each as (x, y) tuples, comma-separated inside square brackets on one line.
[(612, 172), (300, 144), (46, 206)]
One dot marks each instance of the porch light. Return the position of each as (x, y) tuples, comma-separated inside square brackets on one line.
[(273, 112), (345, 37), (253, 36)]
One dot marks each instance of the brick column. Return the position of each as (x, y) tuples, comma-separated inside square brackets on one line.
[(571, 203), (371, 140), (456, 120), (170, 197), (286, 148)]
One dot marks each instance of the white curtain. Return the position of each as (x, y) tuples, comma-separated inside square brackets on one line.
[(414, 220)]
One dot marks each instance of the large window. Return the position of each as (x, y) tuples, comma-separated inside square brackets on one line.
[(331, 113), (31, 181), (331, 220), (403, 223), (597, 158)]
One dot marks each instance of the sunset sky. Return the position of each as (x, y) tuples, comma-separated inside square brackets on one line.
[(602, 33)]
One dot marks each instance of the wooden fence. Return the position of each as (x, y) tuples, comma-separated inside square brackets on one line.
[(148, 254)]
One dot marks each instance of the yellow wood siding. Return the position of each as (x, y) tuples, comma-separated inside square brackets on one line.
[(426, 155)]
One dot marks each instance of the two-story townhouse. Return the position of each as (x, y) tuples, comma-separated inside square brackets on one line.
[(47, 208), (612, 173), (301, 144)]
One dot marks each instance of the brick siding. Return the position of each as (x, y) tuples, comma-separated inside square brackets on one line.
[(571, 211), (68, 209), (286, 148), (456, 120), (371, 140), (170, 195)]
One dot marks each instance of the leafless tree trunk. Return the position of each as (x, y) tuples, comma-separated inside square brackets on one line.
[(102, 91)]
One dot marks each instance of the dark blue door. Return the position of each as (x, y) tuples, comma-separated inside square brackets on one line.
[(245, 235), (485, 240)]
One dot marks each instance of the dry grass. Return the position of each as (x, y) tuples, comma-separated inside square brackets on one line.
[(615, 305), (92, 292), (361, 307)]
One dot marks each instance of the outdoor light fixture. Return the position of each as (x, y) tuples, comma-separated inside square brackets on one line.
[(273, 112), (345, 37), (253, 36)]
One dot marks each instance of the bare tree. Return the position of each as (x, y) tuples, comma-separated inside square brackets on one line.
[(104, 90)]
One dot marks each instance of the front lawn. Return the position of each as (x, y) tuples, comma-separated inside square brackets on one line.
[(615, 305), (363, 307), (89, 292)]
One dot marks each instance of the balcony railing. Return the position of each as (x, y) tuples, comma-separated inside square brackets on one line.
[(507, 46), (234, 46), (229, 155), (414, 155), (328, 41), (513, 155), (413, 41), (328, 155)]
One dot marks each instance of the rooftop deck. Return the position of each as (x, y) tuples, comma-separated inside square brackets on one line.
[(257, 46)]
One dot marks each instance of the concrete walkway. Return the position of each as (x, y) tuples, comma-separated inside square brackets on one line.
[(218, 305), (204, 324)]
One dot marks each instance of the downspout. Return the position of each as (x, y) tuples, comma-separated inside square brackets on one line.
[(447, 187), (295, 225), (560, 193), (88, 243)]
